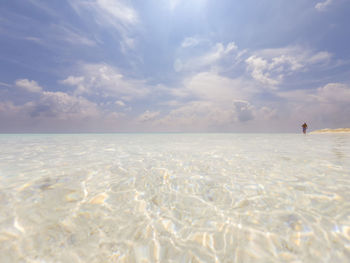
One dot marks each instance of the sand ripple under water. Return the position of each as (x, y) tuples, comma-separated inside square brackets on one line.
[(175, 198)]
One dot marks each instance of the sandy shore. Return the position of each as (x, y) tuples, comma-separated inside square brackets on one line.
[(340, 130)]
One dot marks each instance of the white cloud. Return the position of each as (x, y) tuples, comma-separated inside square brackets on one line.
[(53, 34), (296, 56), (327, 106), (50, 111), (190, 42), (57, 105), (208, 59), (213, 87), (8, 109), (118, 10), (29, 85), (171, 103), (336, 93), (116, 14), (5, 84), (266, 113), (270, 66), (106, 81), (77, 81), (127, 44), (63, 106), (259, 69), (215, 101), (44, 6), (34, 39), (333, 93), (113, 12), (322, 6), (193, 5), (148, 116), (201, 115), (298, 96), (320, 57), (70, 35), (73, 81), (196, 115), (120, 103)]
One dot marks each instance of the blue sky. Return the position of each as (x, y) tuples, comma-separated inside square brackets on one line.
[(174, 65)]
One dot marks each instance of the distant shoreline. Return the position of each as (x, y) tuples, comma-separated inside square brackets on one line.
[(339, 130)]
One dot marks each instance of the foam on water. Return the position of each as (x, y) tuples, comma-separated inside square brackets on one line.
[(175, 198)]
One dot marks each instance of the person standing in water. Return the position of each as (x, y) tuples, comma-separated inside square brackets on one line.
[(304, 127)]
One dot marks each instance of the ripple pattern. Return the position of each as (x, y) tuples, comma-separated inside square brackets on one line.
[(175, 198)]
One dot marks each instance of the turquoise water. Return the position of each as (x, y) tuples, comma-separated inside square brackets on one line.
[(175, 198)]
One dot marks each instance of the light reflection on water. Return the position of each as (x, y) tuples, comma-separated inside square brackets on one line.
[(175, 198)]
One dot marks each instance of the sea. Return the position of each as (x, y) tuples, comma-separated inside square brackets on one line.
[(174, 197)]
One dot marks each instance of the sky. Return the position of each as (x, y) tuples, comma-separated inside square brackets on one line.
[(174, 65)]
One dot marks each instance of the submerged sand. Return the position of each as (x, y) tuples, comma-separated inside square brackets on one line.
[(340, 130), (174, 198)]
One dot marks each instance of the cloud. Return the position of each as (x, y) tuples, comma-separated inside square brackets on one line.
[(113, 12), (259, 70), (201, 115), (320, 57), (63, 106), (267, 67), (8, 109), (272, 72), (104, 80), (270, 66), (214, 87), (70, 35), (28, 85), (296, 56), (50, 110), (58, 36), (148, 116), (116, 14), (35, 40), (194, 5), (120, 103), (324, 106), (55, 31), (190, 42), (5, 84), (57, 104), (213, 101), (118, 10), (244, 110), (195, 115), (127, 44), (336, 93), (208, 59), (73, 81), (322, 6)]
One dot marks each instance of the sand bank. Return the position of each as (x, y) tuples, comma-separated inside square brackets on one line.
[(340, 130)]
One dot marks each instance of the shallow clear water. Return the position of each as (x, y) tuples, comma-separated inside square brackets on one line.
[(175, 198)]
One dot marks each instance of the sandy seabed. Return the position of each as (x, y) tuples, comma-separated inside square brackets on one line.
[(339, 130), (175, 198)]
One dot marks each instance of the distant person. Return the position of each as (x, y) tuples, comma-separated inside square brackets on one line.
[(304, 127)]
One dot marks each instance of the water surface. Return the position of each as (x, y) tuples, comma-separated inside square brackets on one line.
[(175, 198)]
